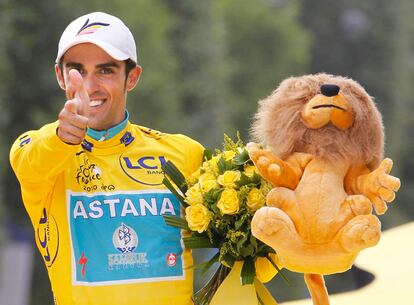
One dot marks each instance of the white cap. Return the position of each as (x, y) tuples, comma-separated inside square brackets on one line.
[(106, 31)]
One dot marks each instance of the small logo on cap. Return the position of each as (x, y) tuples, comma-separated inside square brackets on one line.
[(89, 28)]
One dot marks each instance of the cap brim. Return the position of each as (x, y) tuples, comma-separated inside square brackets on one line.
[(113, 52)]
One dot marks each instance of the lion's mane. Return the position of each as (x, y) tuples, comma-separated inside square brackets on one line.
[(279, 126)]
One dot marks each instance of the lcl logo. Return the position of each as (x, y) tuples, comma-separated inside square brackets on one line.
[(145, 162), (145, 170), (48, 238)]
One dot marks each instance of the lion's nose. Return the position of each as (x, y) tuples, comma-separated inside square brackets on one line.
[(329, 90)]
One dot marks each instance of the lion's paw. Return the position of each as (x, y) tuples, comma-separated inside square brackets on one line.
[(361, 232), (273, 226)]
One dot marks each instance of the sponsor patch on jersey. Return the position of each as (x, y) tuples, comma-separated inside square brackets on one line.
[(89, 176), (171, 259), (144, 169), (121, 237), (48, 238)]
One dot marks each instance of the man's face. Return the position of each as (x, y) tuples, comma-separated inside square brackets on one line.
[(104, 80)]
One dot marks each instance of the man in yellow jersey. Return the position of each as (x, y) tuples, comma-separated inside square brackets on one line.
[(91, 181)]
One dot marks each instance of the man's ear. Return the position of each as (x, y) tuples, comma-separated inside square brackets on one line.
[(59, 77), (133, 77)]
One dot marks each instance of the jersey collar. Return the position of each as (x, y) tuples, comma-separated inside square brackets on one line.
[(102, 135)]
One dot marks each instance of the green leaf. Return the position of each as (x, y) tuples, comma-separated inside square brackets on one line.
[(207, 155), (278, 270), (176, 221), (175, 175), (224, 165), (196, 242), (240, 243), (213, 195), (262, 248), (244, 180), (256, 179), (253, 242), (247, 251), (241, 158), (228, 259), (248, 272), (238, 224), (172, 189)]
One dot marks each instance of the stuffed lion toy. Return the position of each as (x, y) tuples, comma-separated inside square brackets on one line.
[(324, 145)]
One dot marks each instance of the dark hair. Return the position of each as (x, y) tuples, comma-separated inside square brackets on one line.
[(129, 65)]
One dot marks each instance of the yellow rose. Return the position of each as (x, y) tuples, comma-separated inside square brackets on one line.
[(207, 176), (229, 178), (229, 154), (208, 185), (193, 195), (205, 167), (198, 217), (255, 199), (264, 268), (210, 166), (192, 179), (229, 202), (249, 170), (213, 164), (207, 182)]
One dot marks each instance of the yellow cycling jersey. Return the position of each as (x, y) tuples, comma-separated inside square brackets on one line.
[(97, 211)]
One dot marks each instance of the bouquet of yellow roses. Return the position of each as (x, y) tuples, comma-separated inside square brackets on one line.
[(220, 199)]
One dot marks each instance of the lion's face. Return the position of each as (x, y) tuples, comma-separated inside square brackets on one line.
[(328, 116)]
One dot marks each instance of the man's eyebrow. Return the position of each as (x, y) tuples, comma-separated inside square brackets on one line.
[(74, 65), (78, 66), (108, 64)]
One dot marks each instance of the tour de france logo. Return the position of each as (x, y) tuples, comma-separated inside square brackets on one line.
[(125, 239), (87, 173), (89, 177)]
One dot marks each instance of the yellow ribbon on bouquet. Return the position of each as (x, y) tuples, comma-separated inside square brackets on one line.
[(232, 292)]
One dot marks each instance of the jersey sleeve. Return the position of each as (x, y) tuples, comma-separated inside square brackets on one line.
[(37, 158), (193, 153), (195, 158)]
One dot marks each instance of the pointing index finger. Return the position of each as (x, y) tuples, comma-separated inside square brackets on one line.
[(80, 92)]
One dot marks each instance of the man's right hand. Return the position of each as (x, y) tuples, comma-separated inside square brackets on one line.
[(73, 118)]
